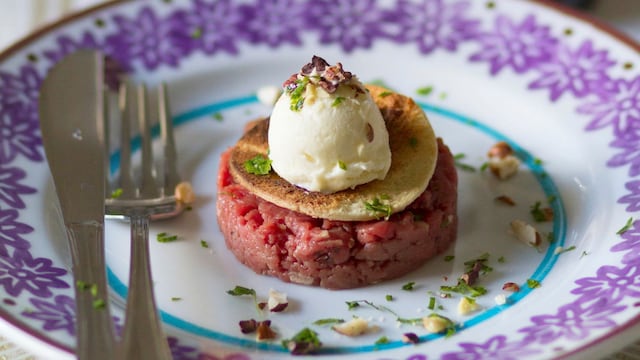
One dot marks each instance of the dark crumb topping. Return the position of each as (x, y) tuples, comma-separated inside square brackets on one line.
[(320, 72)]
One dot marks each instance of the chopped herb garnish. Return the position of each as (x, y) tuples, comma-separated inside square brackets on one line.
[(382, 340), (176, 298), (432, 303), (484, 166), (94, 290), (462, 166), (99, 304), (196, 33), (164, 237), (304, 342), (81, 285), (532, 283), (204, 244), (443, 95), (342, 165), (328, 321), (561, 250), (385, 94), (297, 92), (337, 101), (584, 253), (425, 90), (241, 290), (626, 227), (408, 286), (449, 258), (116, 193), (217, 116), (464, 288), (537, 161), (376, 206), (259, 165), (352, 304), (541, 214), (388, 297), (501, 260)]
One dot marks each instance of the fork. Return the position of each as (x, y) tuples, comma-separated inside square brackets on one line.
[(139, 198)]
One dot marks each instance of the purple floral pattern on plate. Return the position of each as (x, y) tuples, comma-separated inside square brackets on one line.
[(149, 40)]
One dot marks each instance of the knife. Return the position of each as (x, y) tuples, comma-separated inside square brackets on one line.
[(71, 121)]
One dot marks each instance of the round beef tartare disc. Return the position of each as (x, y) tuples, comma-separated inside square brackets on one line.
[(354, 237)]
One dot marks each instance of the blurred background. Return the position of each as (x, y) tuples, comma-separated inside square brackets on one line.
[(19, 17)]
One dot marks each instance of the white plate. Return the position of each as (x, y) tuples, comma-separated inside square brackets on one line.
[(563, 92)]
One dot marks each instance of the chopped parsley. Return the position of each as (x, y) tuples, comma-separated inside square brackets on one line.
[(342, 165), (164, 237), (385, 94), (533, 284), (432, 303), (241, 290), (217, 116), (337, 101), (449, 258), (388, 297), (352, 304), (376, 206), (463, 288), (258, 165), (304, 342), (424, 91), (99, 304), (175, 298), (382, 340), (461, 165), (116, 193), (204, 244), (501, 260), (541, 214), (409, 286), (328, 321), (296, 94), (626, 227)]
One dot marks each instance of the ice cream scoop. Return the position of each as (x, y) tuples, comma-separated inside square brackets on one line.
[(326, 133)]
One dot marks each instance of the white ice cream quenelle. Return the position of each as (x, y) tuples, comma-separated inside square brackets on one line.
[(326, 133)]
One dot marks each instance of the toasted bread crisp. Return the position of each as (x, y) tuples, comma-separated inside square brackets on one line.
[(414, 152)]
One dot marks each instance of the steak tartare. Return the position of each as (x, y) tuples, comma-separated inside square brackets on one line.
[(298, 248)]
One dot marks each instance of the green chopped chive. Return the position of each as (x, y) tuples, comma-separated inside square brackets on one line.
[(328, 321), (204, 244), (337, 101), (99, 304), (342, 165), (81, 285), (176, 298), (388, 297), (94, 290), (533, 284), (537, 161), (626, 227), (484, 166), (408, 286), (385, 94), (196, 33), (584, 253), (376, 206), (501, 259), (425, 90), (540, 214), (564, 250), (382, 340), (305, 341), (463, 288), (241, 290), (258, 165), (432, 303), (461, 165), (449, 258), (116, 193), (352, 304), (164, 237), (217, 116), (296, 94)]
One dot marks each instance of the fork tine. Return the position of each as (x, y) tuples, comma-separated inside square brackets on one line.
[(127, 99), (148, 187), (171, 177)]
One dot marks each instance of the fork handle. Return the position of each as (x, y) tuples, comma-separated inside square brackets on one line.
[(143, 338), (94, 326)]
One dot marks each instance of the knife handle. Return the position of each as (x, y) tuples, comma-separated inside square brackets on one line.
[(94, 326)]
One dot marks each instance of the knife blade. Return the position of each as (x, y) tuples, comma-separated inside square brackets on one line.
[(71, 121)]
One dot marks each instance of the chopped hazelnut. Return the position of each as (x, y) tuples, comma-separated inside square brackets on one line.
[(526, 233), (467, 306), (264, 331), (500, 150), (502, 161), (184, 193), (277, 301), (511, 286), (354, 327), (436, 324)]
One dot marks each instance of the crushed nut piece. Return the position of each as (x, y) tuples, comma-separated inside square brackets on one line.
[(436, 324), (504, 199), (500, 150), (264, 331), (184, 193), (511, 286), (410, 338), (354, 327), (500, 299), (467, 306), (277, 301), (526, 233), (502, 161), (248, 326)]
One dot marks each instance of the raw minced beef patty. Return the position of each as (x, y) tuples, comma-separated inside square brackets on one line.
[(297, 248)]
